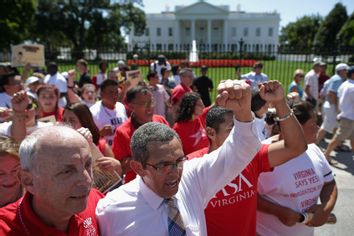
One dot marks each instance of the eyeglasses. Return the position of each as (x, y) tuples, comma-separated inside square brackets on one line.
[(164, 167)]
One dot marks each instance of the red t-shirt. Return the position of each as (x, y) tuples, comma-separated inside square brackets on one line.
[(233, 209), (192, 133), (178, 93), (18, 218), (121, 142), (58, 114)]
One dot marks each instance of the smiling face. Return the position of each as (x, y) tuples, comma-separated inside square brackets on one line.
[(62, 175), (10, 187), (143, 107), (198, 109), (164, 184)]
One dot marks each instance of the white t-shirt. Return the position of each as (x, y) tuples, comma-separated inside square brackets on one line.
[(5, 128), (295, 184), (105, 116), (100, 77), (5, 100), (346, 99), (261, 130), (160, 97), (311, 79), (60, 82)]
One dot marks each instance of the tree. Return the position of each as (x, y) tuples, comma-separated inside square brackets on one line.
[(15, 21), (87, 23), (346, 33), (301, 33), (327, 33)]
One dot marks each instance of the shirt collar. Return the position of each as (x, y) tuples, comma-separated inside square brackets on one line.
[(150, 197)]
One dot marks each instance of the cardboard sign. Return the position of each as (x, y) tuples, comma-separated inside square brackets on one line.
[(134, 76), (48, 119), (32, 54)]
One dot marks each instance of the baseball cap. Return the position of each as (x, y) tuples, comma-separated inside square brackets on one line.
[(31, 80), (121, 63), (342, 66)]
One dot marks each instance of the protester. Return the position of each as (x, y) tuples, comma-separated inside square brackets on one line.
[(288, 196), (88, 95), (165, 185), (32, 84), (102, 75), (108, 113), (55, 78), (10, 186), (85, 78), (158, 64), (345, 116), (141, 103), (295, 84), (311, 84), (48, 97), (255, 77), (57, 177), (240, 195), (203, 85), (259, 107), (10, 84), (190, 123), (161, 97)]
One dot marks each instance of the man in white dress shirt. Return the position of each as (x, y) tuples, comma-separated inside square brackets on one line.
[(138, 208)]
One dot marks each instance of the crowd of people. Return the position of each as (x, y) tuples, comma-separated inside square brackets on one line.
[(107, 156)]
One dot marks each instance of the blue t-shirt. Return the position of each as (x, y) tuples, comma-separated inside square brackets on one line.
[(336, 81), (295, 85)]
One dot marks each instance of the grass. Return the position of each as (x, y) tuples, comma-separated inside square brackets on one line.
[(276, 70)]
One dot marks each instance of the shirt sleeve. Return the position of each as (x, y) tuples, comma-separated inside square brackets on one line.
[(326, 170), (207, 175), (121, 145)]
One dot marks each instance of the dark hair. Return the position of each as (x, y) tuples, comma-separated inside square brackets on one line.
[(258, 64), (101, 64), (147, 133), (86, 120), (174, 69), (216, 116), (107, 83), (150, 75), (52, 88), (133, 92), (257, 102), (303, 111), (5, 79), (163, 69), (187, 106)]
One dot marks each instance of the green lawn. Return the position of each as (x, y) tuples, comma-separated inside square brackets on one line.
[(276, 70)]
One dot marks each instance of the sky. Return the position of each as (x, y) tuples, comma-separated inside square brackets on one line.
[(289, 10)]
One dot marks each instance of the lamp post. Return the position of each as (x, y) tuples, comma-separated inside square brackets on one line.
[(241, 42)]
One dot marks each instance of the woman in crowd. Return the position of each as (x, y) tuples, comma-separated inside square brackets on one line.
[(288, 196), (10, 186), (48, 97), (190, 123), (88, 94), (295, 85)]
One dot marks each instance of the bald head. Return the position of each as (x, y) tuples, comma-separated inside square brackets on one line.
[(49, 142)]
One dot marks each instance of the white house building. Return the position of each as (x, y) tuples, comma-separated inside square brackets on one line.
[(209, 25)]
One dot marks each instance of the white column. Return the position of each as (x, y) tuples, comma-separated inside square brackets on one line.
[(225, 32), (209, 34), (193, 29), (177, 35)]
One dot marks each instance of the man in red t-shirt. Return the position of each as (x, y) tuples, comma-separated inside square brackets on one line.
[(233, 209), (141, 103), (57, 177), (187, 77)]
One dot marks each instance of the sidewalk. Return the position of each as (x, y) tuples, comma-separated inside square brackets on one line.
[(344, 209)]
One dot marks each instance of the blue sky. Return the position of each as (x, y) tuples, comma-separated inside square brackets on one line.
[(289, 10)]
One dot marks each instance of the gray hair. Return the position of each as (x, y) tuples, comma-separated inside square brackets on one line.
[(147, 133), (184, 71), (30, 145)]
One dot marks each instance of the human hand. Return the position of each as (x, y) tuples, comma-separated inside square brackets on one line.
[(86, 133), (288, 217), (107, 130), (5, 113), (19, 101), (319, 217), (236, 96), (71, 76), (272, 91), (109, 164)]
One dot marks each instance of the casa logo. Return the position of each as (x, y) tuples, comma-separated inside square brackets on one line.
[(90, 229)]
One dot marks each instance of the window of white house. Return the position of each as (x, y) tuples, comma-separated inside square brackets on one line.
[(170, 31), (245, 32), (147, 31), (158, 31), (258, 32), (270, 32), (159, 46), (233, 31), (188, 31), (170, 47)]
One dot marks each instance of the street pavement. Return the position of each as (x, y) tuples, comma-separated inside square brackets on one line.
[(344, 209)]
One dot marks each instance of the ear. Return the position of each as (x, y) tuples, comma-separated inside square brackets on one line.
[(211, 133), (138, 168), (26, 179)]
